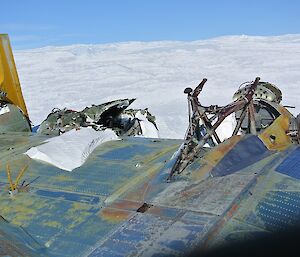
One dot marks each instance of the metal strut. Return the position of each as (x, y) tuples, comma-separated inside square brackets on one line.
[(202, 129), (14, 186)]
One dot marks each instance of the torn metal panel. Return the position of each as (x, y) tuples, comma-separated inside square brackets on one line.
[(112, 115)]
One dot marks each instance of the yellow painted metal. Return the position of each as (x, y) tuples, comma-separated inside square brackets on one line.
[(275, 136), (14, 186), (9, 80), (9, 177), (213, 157), (284, 111), (20, 175)]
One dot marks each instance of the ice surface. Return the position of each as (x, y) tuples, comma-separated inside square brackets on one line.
[(70, 150), (156, 73)]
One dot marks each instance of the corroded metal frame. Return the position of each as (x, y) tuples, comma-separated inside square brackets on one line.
[(192, 145)]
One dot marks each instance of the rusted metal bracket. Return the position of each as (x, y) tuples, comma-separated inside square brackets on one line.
[(202, 128)]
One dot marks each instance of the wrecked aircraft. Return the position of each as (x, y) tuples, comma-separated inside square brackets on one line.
[(137, 196), (255, 105), (113, 115)]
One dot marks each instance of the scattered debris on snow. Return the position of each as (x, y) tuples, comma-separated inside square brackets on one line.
[(113, 115)]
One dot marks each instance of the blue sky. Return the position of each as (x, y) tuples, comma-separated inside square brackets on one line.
[(37, 23)]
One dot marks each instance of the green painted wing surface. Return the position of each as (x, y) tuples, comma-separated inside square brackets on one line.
[(239, 190)]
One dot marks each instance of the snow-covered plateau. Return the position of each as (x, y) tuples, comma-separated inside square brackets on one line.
[(156, 73)]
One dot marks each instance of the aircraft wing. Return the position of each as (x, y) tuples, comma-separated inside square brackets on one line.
[(119, 202)]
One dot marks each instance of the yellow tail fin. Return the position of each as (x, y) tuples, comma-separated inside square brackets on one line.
[(9, 80)]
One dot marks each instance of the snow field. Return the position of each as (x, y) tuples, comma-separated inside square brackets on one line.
[(156, 73)]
